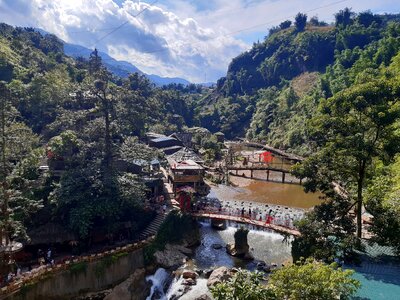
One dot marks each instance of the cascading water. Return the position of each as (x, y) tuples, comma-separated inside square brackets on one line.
[(267, 246), (158, 280)]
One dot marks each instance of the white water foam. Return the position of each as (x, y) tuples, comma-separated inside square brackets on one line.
[(158, 281)]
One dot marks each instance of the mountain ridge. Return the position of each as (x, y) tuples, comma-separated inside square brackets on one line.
[(118, 67)]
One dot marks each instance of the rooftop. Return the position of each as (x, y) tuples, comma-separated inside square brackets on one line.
[(184, 165), (186, 154), (163, 139)]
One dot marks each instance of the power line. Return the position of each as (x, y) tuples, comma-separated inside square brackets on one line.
[(126, 22), (119, 27), (251, 27), (223, 35), (190, 2)]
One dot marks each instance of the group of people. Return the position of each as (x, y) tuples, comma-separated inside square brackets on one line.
[(266, 213), (11, 276), (43, 258)]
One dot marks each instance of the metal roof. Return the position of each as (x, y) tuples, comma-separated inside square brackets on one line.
[(163, 139), (184, 165), (186, 154)]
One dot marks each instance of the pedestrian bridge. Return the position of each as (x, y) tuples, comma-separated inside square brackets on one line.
[(263, 224)]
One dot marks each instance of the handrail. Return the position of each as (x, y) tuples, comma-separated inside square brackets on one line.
[(248, 220), (38, 273)]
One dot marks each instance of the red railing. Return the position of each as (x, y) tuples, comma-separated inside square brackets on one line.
[(35, 275)]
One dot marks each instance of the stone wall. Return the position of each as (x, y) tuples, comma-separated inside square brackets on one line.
[(83, 277)]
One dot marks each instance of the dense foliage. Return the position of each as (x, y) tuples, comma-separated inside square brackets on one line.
[(271, 90), (86, 125), (304, 280)]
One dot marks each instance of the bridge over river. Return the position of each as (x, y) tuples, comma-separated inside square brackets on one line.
[(278, 228), (251, 161), (259, 167)]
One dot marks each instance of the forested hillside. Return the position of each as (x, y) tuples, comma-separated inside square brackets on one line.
[(310, 87), (80, 120), (271, 90)]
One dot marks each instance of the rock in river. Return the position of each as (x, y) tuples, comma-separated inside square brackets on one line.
[(219, 275), (172, 256), (189, 274)]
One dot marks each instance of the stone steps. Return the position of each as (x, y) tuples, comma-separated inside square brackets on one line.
[(153, 227)]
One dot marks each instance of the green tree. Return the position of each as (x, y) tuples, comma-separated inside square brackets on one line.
[(17, 142), (344, 17), (285, 24), (312, 281), (353, 127), (327, 232), (300, 22), (382, 200), (244, 285), (307, 280)]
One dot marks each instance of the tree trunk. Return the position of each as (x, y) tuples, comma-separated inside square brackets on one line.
[(360, 182), (359, 207), (107, 141), (4, 209)]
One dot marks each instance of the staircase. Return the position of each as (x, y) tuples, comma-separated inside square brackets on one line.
[(153, 226)]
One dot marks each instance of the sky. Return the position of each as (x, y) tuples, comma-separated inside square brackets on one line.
[(192, 39)]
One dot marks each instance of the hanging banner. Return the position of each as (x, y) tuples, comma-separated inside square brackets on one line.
[(266, 157)]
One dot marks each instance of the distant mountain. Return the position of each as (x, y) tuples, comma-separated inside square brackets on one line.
[(120, 68), (158, 80)]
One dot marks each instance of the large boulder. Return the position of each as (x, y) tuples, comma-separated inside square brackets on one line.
[(179, 248), (219, 275), (240, 248), (134, 288), (172, 256)]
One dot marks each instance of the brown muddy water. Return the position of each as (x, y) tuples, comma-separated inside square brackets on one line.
[(260, 190), (291, 195)]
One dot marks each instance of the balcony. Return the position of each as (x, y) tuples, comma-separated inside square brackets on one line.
[(186, 178)]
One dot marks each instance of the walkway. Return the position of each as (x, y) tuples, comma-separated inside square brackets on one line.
[(269, 148), (277, 228), (43, 271), (153, 227)]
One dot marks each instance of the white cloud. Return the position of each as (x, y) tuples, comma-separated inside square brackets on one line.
[(185, 38), (157, 41)]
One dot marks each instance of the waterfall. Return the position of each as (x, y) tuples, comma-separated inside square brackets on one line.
[(158, 280)]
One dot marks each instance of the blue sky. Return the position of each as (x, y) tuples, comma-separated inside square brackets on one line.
[(176, 38)]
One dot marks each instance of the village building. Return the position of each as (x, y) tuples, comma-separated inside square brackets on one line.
[(187, 174), (164, 142), (186, 154), (184, 137)]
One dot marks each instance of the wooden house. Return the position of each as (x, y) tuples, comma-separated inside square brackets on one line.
[(187, 173)]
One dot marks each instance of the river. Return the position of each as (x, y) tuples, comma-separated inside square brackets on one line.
[(380, 281), (291, 195), (266, 246), (285, 201)]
